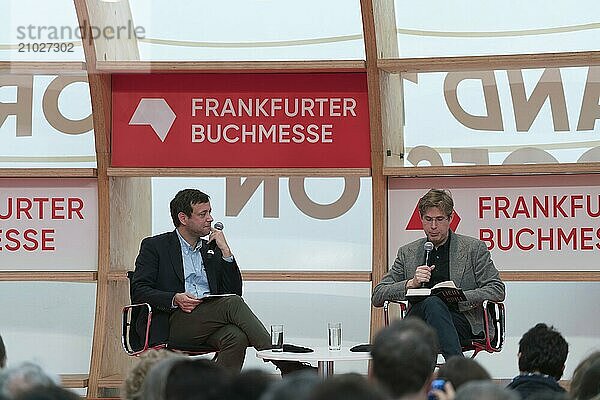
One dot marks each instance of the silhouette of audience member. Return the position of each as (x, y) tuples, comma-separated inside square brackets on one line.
[(48, 393), (198, 380), (347, 387), (186, 379), (579, 386), (589, 386), (484, 390), (542, 355), (2, 354), (25, 376), (251, 384), (460, 370), (134, 381), (404, 356), (295, 386)]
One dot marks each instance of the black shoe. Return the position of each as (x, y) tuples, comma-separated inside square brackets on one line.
[(287, 367)]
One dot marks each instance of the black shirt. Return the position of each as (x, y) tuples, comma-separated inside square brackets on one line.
[(439, 257)]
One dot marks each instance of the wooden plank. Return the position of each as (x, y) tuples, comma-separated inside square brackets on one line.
[(283, 275), (43, 68), (48, 173), (490, 62), (111, 381), (74, 381), (230, 66), (525, 169), (222, 172), (338, 276), (551, 276), (48, 276)]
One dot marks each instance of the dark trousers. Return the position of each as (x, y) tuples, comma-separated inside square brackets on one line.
[(451, 327), (226, 324)]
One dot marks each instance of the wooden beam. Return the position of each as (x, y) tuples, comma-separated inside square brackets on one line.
[(486, 170), (74, 381), (490, 62), (43, 68), (48, 276), (551, 276), (282, 275), (231, 66), (222, 172), (48, 173)]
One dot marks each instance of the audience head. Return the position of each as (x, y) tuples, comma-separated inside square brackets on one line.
[(2, 354), (133, 383), (48, 393), (183, 201), (485, 390), (543, 349), (577, 382), (295, 386), (589, 385), (405, 345), (251, 384), (16, 380), (347, 387), (197, 380), (460, 370)]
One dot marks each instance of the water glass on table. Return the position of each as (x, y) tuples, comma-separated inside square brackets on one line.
[(334, 333), (277, 338)]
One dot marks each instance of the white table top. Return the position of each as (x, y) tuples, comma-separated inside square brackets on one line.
[(319, 354)]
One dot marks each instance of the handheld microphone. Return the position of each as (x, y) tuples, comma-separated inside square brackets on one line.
[(213, 245), (428, 246)]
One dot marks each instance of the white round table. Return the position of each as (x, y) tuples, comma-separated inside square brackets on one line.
[(322, 355)]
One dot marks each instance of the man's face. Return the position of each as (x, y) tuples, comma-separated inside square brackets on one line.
[(436, 225), (198, 224)]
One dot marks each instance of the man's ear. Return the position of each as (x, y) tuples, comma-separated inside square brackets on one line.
[(182, 218)]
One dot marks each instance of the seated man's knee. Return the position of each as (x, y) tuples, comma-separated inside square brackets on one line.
[(234, 337), (433, 304)]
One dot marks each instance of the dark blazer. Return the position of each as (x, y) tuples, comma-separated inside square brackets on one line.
[(158, 276)]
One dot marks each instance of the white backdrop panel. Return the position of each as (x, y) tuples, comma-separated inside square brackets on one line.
[(291, 241)]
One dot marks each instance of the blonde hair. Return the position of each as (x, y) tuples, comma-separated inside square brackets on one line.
[(134, 381)]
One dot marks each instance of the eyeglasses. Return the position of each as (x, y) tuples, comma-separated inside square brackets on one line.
[(438, 220)]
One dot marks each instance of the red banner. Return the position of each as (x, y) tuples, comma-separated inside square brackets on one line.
[(241, 120)]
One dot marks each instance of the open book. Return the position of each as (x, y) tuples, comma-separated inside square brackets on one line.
[(212, 296), (446, 290)]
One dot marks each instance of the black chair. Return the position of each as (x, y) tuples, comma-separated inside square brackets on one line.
[(135, 344), (493, 315)]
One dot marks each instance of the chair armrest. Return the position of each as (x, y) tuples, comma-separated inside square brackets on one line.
[(403, 304), (130, 314)]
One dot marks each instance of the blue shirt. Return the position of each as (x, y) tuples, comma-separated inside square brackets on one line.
[(196, 281)]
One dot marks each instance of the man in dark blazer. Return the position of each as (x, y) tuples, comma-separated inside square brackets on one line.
[(174, 272), (463, 259)]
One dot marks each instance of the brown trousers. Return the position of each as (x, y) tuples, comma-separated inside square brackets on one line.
[(226, 324)]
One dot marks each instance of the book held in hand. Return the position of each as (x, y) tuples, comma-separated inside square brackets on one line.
[(446, 290), (212, 296)]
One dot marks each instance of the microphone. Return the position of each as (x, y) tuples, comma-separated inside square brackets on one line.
[(428, 246), (213, 245)]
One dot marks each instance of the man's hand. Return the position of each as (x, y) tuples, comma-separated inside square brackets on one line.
[(186, 302), (422, 275), (219, 237)]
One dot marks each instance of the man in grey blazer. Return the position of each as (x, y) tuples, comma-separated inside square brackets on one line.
[(462, 259)]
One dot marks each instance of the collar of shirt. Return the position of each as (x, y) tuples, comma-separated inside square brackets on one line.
[(185, 246)]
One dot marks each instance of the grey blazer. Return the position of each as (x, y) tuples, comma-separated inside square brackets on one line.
[(471, 268)]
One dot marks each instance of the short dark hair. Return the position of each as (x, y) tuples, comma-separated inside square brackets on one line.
[(543, 349), (439, 198), (405, 345), (350, 386), (47, 393), (460, 370), (197, 380), (2, 354), (183, 202)]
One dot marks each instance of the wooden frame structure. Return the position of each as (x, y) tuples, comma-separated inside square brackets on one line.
[(122, 188)]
